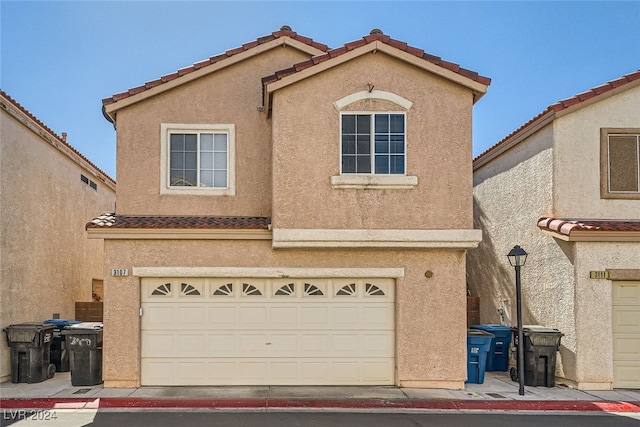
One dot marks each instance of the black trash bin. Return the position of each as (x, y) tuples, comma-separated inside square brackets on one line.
[(59, 351), (540, 347), (30, 345), (84, 342)]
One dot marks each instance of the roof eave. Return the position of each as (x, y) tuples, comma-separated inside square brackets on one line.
[(595, 236), (110, 107), (478, 89)]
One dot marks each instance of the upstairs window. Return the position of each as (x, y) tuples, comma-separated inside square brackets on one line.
[(198, 159), (621, 163), (373, 143)]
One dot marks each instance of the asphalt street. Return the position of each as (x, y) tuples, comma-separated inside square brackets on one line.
[(142, 418)]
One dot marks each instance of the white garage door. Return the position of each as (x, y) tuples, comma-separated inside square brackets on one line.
[(626, 334), (267, 331)]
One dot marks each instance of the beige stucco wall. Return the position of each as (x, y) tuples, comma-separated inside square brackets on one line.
[(306, 150), (577, 158), (594, 367), (430, 313), (231, 95), (555, 172), (284, 164), (510, 194), (46, 261)]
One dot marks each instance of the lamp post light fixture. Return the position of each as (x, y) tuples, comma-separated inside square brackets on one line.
[(517, 257)]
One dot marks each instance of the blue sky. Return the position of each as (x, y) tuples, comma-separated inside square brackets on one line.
[(60, 59)]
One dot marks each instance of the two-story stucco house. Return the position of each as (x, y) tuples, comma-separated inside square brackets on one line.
[(565, 186), (47, 192), (292, 214)]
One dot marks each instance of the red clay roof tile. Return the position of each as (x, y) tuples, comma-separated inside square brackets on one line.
[(110, 220), (216, 58), (563, 104), (53, 134), (391, 42), (567, 226)]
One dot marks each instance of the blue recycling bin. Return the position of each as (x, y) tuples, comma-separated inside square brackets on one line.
[(59, 351), (478, 345), (498, 357)]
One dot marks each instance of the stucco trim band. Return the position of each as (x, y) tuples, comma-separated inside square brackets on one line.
[(374, 182), (374, 94), (268, 272), (291, 238), (596, 236), (179, 234), (624, 275)]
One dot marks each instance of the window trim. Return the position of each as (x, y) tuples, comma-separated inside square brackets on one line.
[(372, 114), (605, 193), (371, 181), (166, 129)]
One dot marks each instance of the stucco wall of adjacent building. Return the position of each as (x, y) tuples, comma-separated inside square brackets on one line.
[(430, 312), (46, 261), (593, 308), (577, 158), (306, 147), (232, 95), (510, 194)]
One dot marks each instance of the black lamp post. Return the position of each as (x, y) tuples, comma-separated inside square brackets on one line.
[(517, 257)]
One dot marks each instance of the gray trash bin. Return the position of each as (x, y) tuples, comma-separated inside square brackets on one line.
[(30, 345), (84, 342), (540, 347)]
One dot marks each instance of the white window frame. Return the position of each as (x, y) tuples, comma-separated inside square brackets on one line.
[(166, 129), (372, 135), (373, 181)]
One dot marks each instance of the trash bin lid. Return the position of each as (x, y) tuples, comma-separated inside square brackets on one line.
[(29, 325), (86, 325), (479, 333), (61, 322), (539, 329), (491, 327)]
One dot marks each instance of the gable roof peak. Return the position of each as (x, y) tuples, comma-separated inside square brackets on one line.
[(202, 67)]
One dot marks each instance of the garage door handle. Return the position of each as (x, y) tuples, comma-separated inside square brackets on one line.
[(267, 343)]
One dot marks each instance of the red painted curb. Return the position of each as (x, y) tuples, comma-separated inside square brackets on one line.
[(427, 404)]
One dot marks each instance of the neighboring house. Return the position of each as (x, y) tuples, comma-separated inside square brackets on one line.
[(290, 214), (565, 187), (47, 192)]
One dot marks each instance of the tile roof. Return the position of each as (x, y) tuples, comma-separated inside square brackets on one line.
[(564, 104), (376, 35), (284, 31), (60, 140), (566, 227), (111, 220)]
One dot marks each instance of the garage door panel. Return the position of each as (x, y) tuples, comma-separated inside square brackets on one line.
[(285, 344), (252, 317), (626, 334), (222, 345), (314, 317), (345, 344), (378, 344), (192, 317), (313, 344), (262, 332), (626, 347), (190, 343), (220, 317), (154, 343), (158, 317), (283, 317)]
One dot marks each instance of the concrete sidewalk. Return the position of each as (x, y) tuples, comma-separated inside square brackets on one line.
[(497, 392)]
